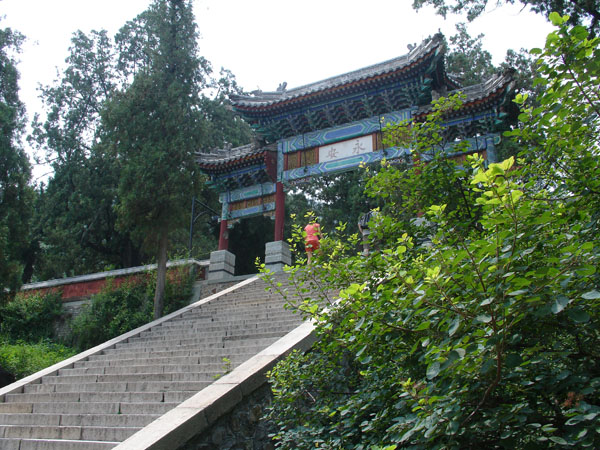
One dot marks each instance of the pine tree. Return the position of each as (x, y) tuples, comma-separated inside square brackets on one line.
[(153, 126), (15, 193)]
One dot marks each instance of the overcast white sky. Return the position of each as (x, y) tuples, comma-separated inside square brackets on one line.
[(263, 42)]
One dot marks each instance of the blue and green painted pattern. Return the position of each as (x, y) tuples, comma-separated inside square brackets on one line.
[(341, 133), (246, 193), (481, 143), (473, 118), (252, 211), (342, 165)]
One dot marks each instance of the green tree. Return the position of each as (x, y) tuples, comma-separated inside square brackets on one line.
[(16, 195), (467, 60), (561, 129), (75, 218), (334, 199), (484, 336), (580, 12), (153, 127)]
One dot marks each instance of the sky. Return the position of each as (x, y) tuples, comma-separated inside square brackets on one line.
[(263, 42)]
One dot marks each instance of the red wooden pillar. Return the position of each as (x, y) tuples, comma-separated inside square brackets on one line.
[(223, 236), (279, 211)]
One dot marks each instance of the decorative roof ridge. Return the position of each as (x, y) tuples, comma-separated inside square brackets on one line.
[(497, 80), (479, 91), (373, 70), (219, 156)]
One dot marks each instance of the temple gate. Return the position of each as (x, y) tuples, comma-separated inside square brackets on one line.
[(335, 125)]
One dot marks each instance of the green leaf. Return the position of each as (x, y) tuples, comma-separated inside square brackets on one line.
[(487, 301), (483, 318), (578, 315), (433, 370), (366, 359), (558, 440), (457, 353), (361, 351), (559, 304), (423, 326), (591, 295), (513, 360), (518, 292), (516, 195), (454, 326), (555, 18)]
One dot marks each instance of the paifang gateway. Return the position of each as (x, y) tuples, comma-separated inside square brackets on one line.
[(334, 125)]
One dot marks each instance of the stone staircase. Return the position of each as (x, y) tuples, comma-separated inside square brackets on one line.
[(101, 398)]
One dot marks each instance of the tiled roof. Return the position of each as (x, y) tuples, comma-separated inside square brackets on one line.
[(234, 157), (482, 93), (265, 99)]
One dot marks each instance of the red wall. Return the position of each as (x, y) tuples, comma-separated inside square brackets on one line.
[(85, 289)]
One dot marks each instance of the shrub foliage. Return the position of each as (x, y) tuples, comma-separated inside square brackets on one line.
[(119, 309), (25, 358), (30, 317), (483, 330)]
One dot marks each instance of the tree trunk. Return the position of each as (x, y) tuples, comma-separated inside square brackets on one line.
[(161, 275)]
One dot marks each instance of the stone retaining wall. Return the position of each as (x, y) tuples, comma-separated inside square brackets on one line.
[(243, 428)]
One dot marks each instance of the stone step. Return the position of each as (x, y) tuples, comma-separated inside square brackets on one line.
[(141, 369), (212, 336), (195, 327), (233, 316), (173, 340), (78, 420), (43, 397), (231, 306), (171, 376), (243, 320), (182, 351), (120, 362), (185, 336), (169, 344), (213, 363), (235, 343), (108, 420), (274, 335), (252, 300), (65, 432), (97, 397), (87, 408), (191, 324), (53, 444), (30, 419), (188, 343), (142, 386)]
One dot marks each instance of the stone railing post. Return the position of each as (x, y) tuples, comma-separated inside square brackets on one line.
[(277, 255), (222, 265)]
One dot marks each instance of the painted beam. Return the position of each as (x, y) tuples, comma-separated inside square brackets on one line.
[(253, 211), (342, 133), (345, 164), (247, 193)]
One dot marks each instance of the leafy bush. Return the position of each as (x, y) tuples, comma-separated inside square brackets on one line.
[(482, 336), (119, 309), (30, 317), (23, 359)]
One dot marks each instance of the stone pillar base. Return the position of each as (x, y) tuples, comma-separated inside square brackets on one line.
[(222, 265), (277, 255)]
